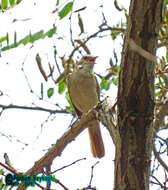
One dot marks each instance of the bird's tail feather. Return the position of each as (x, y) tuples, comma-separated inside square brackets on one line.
[(96, 140)]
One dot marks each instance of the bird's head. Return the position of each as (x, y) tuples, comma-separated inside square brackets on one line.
[(87, 63)]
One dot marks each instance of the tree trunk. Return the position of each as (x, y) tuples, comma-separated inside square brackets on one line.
[(136, 97)]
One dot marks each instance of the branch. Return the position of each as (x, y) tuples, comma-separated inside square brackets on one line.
[(102, 112), (61, 184), (67, 165), (161, 115), (142, 52), (55, 55), (91, 177), (32, 108), (164, 165), (158, 182), (57, 149), (10, 169), (94, 35), (14, 171)]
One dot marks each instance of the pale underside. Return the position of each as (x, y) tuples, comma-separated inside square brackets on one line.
[(83, 91)]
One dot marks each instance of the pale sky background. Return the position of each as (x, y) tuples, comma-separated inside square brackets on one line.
[(26, 125)]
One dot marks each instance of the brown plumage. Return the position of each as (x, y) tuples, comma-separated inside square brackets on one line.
[(84, 93)]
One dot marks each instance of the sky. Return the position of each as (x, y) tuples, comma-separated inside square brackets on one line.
[(26, 135)]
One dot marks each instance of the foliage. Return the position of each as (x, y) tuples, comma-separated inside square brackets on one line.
[(105, 83), (3, 186), (6, 4), (115, 32), (61, 86), (30, 38), (70, 107), (50, 92), (66, 9)]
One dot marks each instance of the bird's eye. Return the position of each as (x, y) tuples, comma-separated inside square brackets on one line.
[(80, 66), (85, 57)]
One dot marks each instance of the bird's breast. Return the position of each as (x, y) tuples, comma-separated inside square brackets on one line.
[(83, 92)]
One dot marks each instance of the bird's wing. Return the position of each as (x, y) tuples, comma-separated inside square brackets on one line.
[(97, 86), (79, 113)]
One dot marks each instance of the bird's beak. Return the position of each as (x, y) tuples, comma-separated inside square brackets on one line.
[(93, 59)]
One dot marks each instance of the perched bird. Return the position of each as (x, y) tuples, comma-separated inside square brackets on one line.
[(84, 93)]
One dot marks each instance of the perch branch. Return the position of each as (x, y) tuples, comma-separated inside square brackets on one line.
[(57, 149), (101, 112)]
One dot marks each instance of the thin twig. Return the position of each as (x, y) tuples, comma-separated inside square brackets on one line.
[(91, 177), (57, 149), (158, 182), (11, 106), (10, 169), (70, 18), (94, 35), (26, 78), (57, 181), (164, 165), (68, 165), (55, 58)]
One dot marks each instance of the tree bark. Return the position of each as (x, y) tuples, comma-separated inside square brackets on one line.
[(136, 97)]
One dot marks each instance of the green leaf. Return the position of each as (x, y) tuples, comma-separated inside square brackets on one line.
[(102, 84), (50, 92), (42, 91), (7, 39), (105, 84), (1, 171), (4, 4), (160, 83), (51, 32), (3, 39), (26, 40), (18, 1), (114, 34), (31, 38), (80, 23), (123, 24), (6, 187), (67, 8), (61, 86), (15, 38), (115, 3), (57, 3), (36, 36), (167, 56), (70, 107), (157, 93), (12, 2), (118, 69), (115, 81), (111, 62)]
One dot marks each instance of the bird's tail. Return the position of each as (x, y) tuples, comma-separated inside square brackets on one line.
[(96, 140)]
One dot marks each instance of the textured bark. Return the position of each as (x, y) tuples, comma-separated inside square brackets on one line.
[(136, 97)]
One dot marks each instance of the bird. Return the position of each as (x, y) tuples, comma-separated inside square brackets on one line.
[(84, 93)]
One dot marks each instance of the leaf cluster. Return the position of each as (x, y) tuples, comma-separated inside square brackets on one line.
[(30, 38), (6, 4)]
